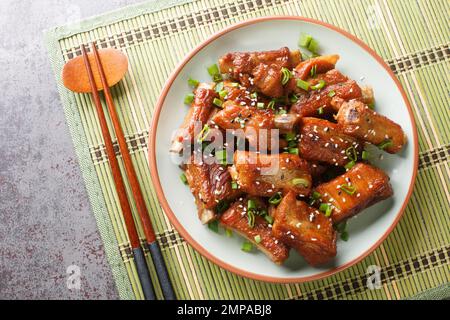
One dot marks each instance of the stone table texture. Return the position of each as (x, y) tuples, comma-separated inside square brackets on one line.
[(46, 224)]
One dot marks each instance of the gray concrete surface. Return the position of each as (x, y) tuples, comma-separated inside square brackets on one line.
[(46, 224)]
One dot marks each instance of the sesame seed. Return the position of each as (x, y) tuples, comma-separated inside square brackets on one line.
[(292, 236), (276, 241), (358, 195)]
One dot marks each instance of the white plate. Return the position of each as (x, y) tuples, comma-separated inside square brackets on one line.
[(366, 230)]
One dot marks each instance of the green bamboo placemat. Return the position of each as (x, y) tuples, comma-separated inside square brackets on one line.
[(412, 36)]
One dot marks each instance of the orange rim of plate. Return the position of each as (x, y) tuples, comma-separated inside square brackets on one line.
[(168, 211)]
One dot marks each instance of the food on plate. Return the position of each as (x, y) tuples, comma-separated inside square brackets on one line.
[(293, 166)]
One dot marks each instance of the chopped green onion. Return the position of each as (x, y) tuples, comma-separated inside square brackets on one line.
[(251, 218), (286, 75), (313, 46), (193, 83), (385, 144), (292, 144), (281, 111), (257, 238), (303, 84), (305, 40), (260, 105), (254, 95), (293, 99), (275, 199), (235, 84), (214, 72), (229, 233), (203, 134), (183, 178), (217, 102), (319, 85), (347, 188), (349, 165), (219, 87), (300, 181), (293, 151), (262, 212), (351, 153), (341, 227), (290, 136), (234, 185), (365, 155), (221, 156), (332, 93), (222, 206), (269, 219), (371, 105), (326, 208), (320, 110), (271, 104), (223, 94), (251, 204), (247, 246), (344, 236), (316, 195), (313, 71), (214, 226), (189, 98)]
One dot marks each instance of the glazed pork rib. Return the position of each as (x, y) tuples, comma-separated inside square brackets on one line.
[(360, 187), (323, 141), (199, 111), (305, 229), (266, 175), (236, 218), (210, 184), (260, 70), (358, 120)]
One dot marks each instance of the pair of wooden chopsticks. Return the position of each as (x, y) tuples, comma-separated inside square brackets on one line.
[(152, 244)]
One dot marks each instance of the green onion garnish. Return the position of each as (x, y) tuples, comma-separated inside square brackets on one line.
[(293, 99), (229, 233), (251, 204), (223, 94), (269, 219), (316, 195), (221, 156), (281, 111), (303, 84), (189, 98), (313, 46), (293, 151), (347, 188), (351, 153), (313, 71), (292, 144), (217, 102), (251, 218), (300, 181), (193, 83), (222, 206), (341, 227), (214, 226), (326, 208), (305, 40), (219, 87), (235, 84), (320, 110), (319, 85), (385, 144), (247, 246), (271, 104), (365, 155), (260, 105), (203, 134), (214, 72), (331, 94), (183, 178), (257, 238), (350, 165), (290, 136), (234, 185), (371, 105), (286, 76), (275, 199), (344, 236), (254, 95)]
